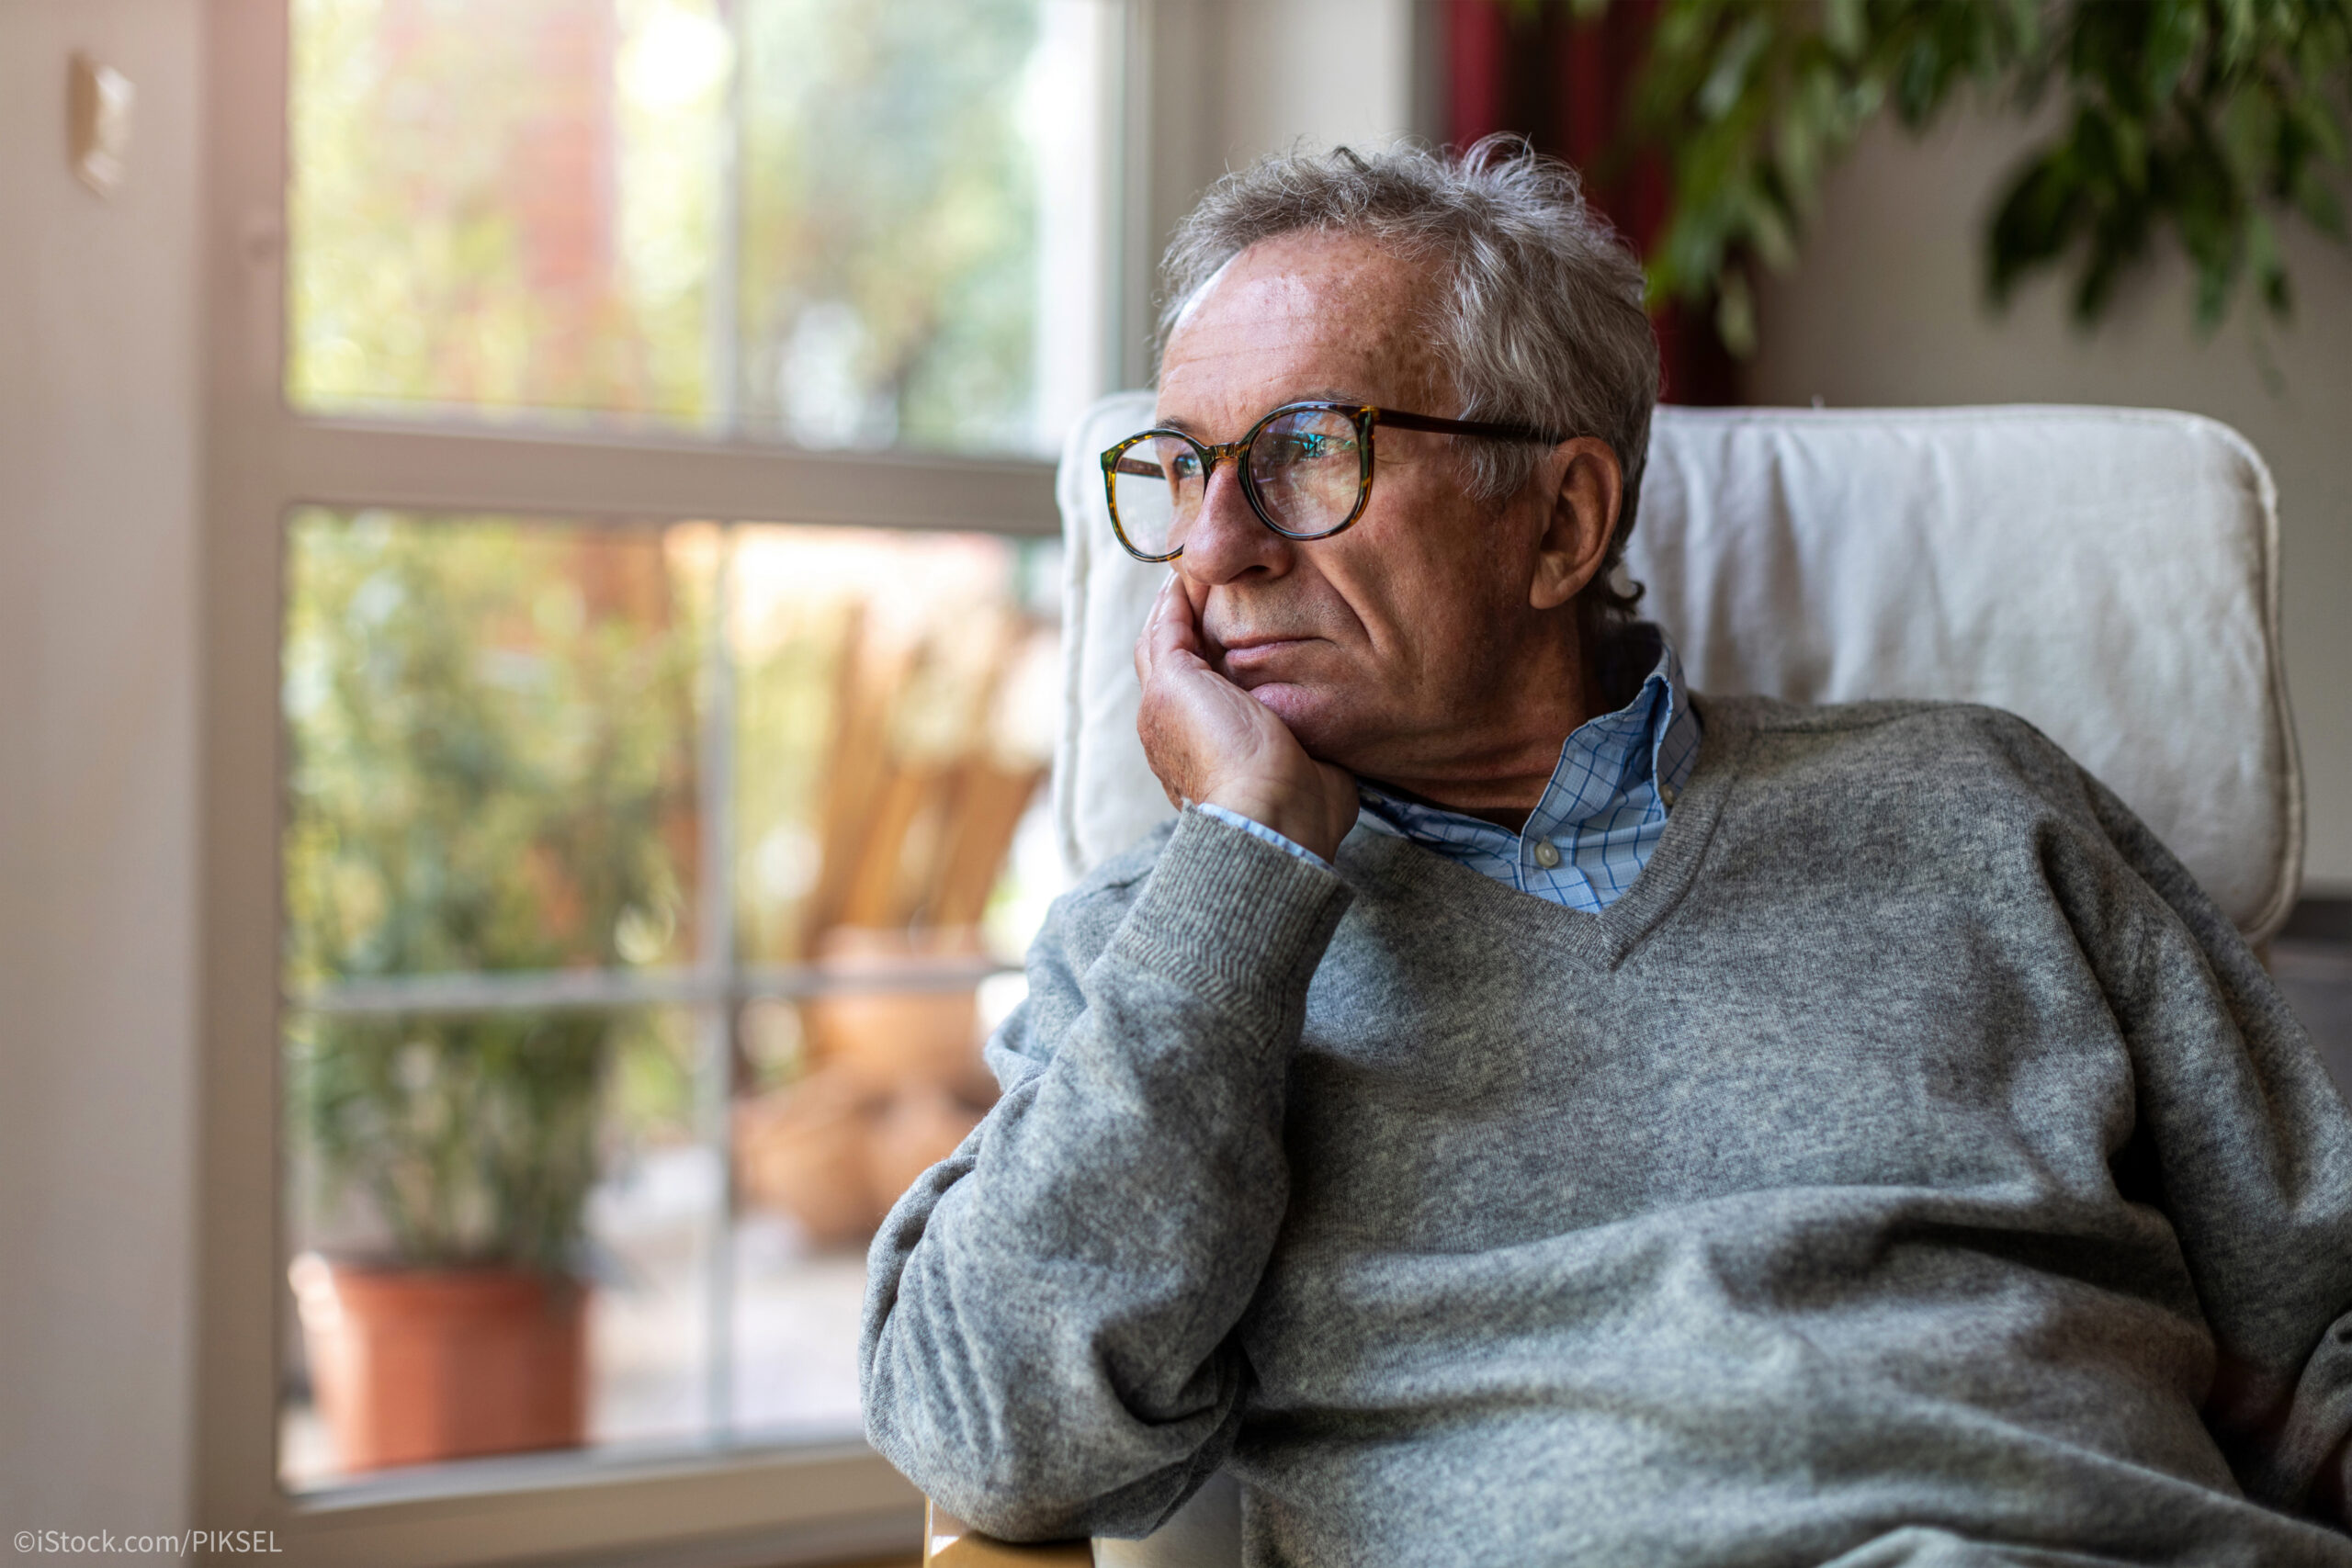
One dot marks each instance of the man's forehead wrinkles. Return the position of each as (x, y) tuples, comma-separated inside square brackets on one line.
[(1320, 394), (1295, 320)]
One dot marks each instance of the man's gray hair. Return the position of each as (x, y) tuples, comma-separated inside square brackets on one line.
[(1543, 325)]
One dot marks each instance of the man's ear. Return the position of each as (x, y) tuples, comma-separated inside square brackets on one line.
[(1583, 515)]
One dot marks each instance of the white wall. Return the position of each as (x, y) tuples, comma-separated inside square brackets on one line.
[(1887, 307), (1317, 72), (1218, 83), (99, 506)]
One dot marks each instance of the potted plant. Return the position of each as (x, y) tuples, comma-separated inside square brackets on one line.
[(491, 730)]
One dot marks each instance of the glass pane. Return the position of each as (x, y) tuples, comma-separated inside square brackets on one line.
[(896, 696), (524, 1034), (505, 205), (500, 1209), (896, 706), (500, 1229), (833, 223)]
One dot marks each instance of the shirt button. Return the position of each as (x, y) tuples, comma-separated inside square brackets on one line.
[(1547, 855), (1669, 795)]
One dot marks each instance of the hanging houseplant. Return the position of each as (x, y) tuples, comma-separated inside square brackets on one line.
[(2210, 120)]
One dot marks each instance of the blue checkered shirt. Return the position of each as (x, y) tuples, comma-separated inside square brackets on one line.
[(1600, 816)]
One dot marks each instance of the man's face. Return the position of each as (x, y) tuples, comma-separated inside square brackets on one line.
[(1387, 648)]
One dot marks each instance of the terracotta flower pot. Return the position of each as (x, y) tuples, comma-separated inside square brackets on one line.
[(415, 1365)]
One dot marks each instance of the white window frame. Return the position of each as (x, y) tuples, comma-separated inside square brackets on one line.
[(714, 1507)]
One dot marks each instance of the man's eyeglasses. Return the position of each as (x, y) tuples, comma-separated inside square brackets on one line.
[(1305, 468)]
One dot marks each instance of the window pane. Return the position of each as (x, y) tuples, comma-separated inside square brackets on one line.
[(526, 207), (582, 1147), (500, 1229), (505, 205), (895, 702), (491, 728), (500, 1212)]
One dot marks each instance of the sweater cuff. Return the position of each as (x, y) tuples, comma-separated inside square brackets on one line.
[(1245, 920)]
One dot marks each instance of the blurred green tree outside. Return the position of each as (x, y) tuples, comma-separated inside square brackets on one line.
[(479, 218), (890, 222), (524, 207)]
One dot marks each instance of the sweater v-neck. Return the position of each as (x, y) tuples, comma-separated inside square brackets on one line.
[(1603, 939)]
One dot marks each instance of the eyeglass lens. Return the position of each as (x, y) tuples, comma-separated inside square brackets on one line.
[(1307, 466)]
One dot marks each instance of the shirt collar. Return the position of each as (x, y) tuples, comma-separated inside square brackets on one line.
[(1649, 744)]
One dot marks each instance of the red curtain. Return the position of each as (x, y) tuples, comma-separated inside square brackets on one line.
[(1564, 84)]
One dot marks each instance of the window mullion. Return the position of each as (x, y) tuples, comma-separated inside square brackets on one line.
[(590, 474), (714, 1067), (723, 311)]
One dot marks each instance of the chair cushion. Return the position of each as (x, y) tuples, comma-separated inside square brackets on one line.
[(2110, 574)]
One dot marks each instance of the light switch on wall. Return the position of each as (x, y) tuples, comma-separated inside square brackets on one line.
[(98, 100)]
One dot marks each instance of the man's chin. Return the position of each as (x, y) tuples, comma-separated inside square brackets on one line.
[(1308, 711)]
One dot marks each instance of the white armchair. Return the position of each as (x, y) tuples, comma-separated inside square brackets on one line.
[(2110, 574)]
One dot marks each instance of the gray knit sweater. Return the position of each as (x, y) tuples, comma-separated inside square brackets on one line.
[(1913, 1167)]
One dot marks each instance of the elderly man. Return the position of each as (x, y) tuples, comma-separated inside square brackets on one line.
[(1525, 1111)]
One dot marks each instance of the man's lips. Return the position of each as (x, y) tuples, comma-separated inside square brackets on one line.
[(1244, 655)]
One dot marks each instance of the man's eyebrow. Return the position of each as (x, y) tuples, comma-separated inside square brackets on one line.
[(1313, 395)]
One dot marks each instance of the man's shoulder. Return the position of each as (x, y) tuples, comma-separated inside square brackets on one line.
[(1090, 909), (1121, 877), (1909, 749)]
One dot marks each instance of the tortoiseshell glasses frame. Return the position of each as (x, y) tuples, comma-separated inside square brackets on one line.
[(1206, 455)]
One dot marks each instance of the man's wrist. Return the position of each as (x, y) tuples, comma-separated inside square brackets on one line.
[(1242, 920), (1258, 831), (1301, 823)]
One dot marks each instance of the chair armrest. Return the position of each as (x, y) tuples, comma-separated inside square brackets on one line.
[(949, 1542)]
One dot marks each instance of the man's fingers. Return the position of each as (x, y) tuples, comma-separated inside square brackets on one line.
[(1171, 622), (1169, 629), (1149, 640)]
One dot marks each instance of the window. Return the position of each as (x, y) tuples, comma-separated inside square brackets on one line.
[(840, 223), (633, 582)]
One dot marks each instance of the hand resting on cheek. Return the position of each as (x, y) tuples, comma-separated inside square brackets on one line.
[(1212, 743)]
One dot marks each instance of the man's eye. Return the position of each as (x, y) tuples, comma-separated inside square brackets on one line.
[(1308, 446), (1186, 466)]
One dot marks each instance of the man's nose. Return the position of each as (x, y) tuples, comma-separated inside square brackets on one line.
[(1227, 540)]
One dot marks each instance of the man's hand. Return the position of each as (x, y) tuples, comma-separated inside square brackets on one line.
[(1213, 743)]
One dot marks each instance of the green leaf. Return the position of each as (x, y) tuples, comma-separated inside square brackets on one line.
[(2250, 129), (2174, 30), (2313, 118), (2034, 222), (2268, 266), (1808, 122), (1846, 28), (1770, 231), (1736, 315), (1740, 53), (2237, 44)]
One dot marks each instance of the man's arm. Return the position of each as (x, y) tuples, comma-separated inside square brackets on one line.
[(2253, 1149), (1046, 1347)]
